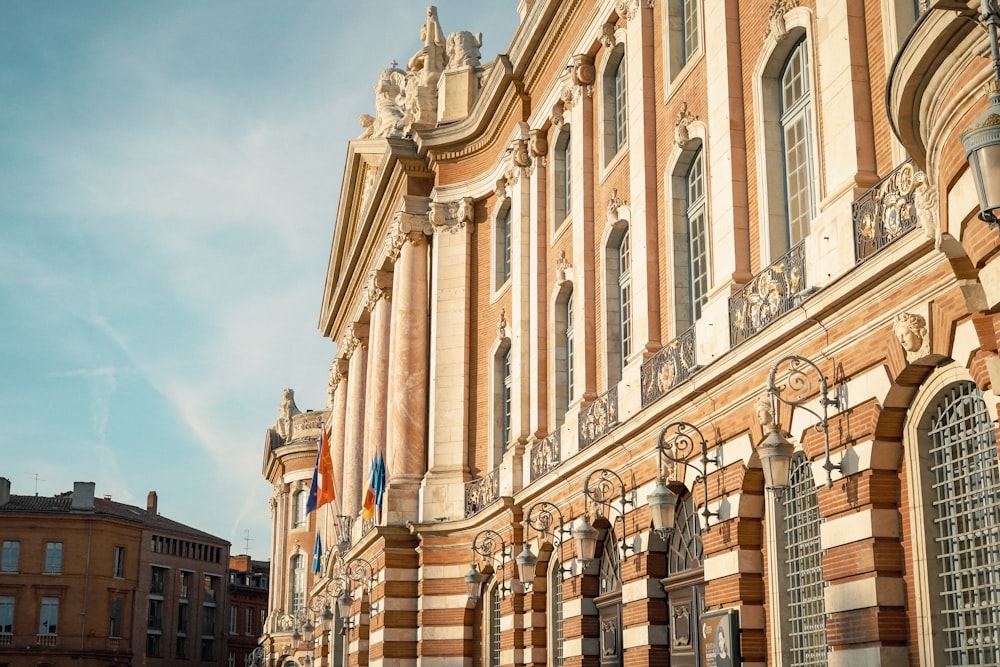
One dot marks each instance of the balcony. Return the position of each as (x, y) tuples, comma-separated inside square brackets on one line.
[(46, 639), (546, 455), (598, 418), (769, 295), (481, 492), (885, 212), (6, 638), (671, 365)]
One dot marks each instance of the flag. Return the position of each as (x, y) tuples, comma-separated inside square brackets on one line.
[(371, 507), (318, 555), (321, 490)]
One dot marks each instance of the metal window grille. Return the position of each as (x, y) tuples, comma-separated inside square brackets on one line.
[(494, 657), (795, 96), (570, 334), (697, 234), (804, 569), (505, 400), (965, 493), (556, 602), (686, 550), (620, 106), (625, 297)]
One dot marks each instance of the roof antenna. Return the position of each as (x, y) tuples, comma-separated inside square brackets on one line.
[(246, 540), (35, 475)]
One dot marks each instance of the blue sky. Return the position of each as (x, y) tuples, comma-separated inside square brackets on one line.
[(169, 176)]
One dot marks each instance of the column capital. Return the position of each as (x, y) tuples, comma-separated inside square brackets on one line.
[(452, 216), (356, 335), (377, 287), (338, 371)]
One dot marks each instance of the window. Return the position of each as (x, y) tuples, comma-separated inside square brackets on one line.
[(180, 647), (299, 509), (10, 555), (683, 33), (153, 644), (555, 609), (248, 621), (53, 557), (115, 618), (796, 141), (207, 649), (493, 627), (234, 616), (154, 615), (48, 616), (963, 489), (232, 659), (182, 618), (158, 581), (208, 620), (690, 41), (298, 582), (119, 563), (562, 178), (804, 568), (211, 585), (620, 106), (6, 614), (503, 247), (697, 235), (609, 602), (619, 305), (504, 400), (685, 584), (184, 585), (564, 335)]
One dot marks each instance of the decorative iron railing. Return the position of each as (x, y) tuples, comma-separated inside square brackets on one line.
[(671, 365), (546, 455), (885, 212), (481, 492), (599, 417), (768, 295)]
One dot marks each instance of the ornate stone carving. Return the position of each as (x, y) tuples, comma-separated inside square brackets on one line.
[(627, 9), (546, 454), (615, 206), (776, 18), (765, 412), (452, 216), (583, 70), (564, 270), (598, 418), (684, 119), (355, 336), (538, 145), (378, 286), (389, 102), (502, 328), (463, 49), (925, 201), (407, 227), (423, 71), (286, 410), (911, 332), (607, 38), (367, 122), (500, 188), (672, 364), (519, 154), (338, 373), (558, 115)]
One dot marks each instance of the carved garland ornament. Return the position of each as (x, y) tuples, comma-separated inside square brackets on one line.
[(776, 18), (684, 119), (614, 204), (564, 270)]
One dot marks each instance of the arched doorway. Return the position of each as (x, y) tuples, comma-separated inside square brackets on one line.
[(685, 586)]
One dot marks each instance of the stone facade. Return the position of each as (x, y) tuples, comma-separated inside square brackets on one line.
[(649, 216)]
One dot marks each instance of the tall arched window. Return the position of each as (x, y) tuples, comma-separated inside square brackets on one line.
[(609, 603), (615, 98), (562, 189), (625, 298), (555, 613), (503, 400), (964, 490), (796, 137), (804, 568), (502, 245), (685, 585), (493, 627), (618, 304), (299, 509), (564, 335), (697, 234), (298, 587)]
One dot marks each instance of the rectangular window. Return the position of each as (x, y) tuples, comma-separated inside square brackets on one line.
[(182, 618), (154, 616), (620, 107), (158, 581), (184, 585), (208, 620), (53, 557), (625, 298), (506, 402), (232, 659), (504, 245), (697, 235), (153, 644), (689, 9), (211, 588), (207, 649), (6, 614), (248, 621), (180, 647), (115, 620), (48, 616), (234, 616), (119, 566), (11, 554)]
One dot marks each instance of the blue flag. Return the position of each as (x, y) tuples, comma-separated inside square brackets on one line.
[(379, 484), (318, 555)]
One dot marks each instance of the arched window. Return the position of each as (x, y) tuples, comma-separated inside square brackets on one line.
[(502, 245), (298, 587), (562, 182), (609, 603), (963, 488), (555, 613), (619, 305), (685, 585), (299, 509), (564, 335), (615, 84), (492, 630), (796, 138), (697, 234), (804, 567), (503, 400)]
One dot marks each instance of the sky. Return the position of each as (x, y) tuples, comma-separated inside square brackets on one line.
[(169, 179)]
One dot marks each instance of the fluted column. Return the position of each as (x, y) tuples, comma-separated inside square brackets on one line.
[(338, 419), (407, 428), (378, 295), (356, 351)]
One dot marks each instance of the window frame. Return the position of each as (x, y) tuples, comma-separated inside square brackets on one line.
[(10, 560), (562, 178), (696, 214), (614, 107), (795, 115), (48, 608), (53, 558), (503, 246)]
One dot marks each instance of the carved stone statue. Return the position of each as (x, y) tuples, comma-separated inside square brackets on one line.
[(684, 119), (765, 412), (388, 102), (463, 49), (926, 202), (911, 331), (423, 71), (286, 410), (367, 122)]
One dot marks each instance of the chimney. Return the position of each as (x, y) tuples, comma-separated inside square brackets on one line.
[(151, 503), (4, 490), (83, 496)]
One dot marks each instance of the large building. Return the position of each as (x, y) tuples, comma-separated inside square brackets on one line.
[(675, 325), (92, 582), (248, 593)]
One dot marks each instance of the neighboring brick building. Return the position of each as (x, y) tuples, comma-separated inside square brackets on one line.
[(93, 582), (654, 247), (248, 590)]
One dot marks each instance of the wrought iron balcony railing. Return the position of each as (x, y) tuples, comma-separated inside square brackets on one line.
[(481, 492), (885, 212), (546, 455), (599, 417), (671, 365), (768, 295)]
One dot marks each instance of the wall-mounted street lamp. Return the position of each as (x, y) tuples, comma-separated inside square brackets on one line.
[(982, 139), (605, 488), (542, 517), (487, 544), (793, 387), (361, 571), (677, 442)]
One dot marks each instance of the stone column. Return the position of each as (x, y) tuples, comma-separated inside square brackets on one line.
[(356, 351), (406, 460), (378, 291), (540, 369), (338, 421)]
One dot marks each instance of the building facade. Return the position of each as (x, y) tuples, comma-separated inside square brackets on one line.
[(92, 582), (643, 263), (248, 592)]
